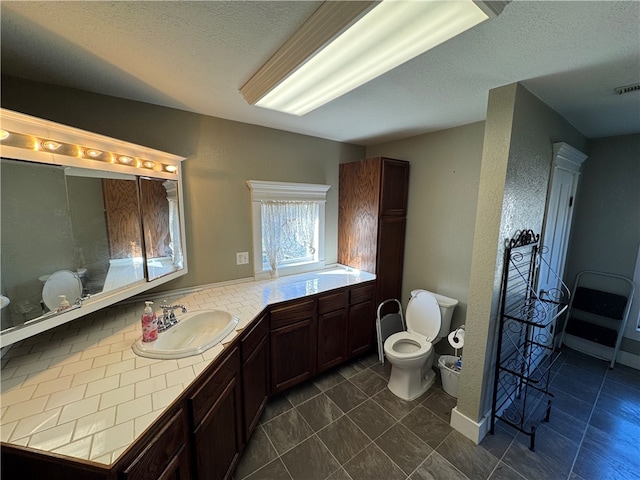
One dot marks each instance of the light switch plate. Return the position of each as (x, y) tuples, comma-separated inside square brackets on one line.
[(242, 258)]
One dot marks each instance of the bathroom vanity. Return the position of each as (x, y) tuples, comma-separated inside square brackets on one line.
[(303, 325)]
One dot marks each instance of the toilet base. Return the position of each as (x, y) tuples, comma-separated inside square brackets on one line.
[(409, 384)]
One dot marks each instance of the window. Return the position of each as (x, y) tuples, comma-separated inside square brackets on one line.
[(288, 227)]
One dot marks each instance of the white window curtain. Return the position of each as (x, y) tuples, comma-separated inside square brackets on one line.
[(285, 226)]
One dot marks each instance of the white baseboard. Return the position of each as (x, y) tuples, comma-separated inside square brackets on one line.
[(471, 429)]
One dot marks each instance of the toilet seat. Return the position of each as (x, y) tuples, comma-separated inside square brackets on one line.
[(423, 315), (423, 346)]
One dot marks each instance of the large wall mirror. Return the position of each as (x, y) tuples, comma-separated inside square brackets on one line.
[(78, 234)]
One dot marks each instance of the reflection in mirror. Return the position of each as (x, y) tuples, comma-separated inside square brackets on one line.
[(122, 214), (71, 223), (161, 224), (64, 230)]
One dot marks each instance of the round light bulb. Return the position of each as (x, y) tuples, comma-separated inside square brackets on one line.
[(92, 153), (171, 168), (3, 134), (125, 159), (51, 145)]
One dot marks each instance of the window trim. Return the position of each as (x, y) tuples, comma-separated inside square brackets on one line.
[(310, 192)]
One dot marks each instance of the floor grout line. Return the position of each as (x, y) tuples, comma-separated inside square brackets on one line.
[(584, 434)]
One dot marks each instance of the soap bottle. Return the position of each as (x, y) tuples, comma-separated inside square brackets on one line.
[(149, 324), (64, 303)]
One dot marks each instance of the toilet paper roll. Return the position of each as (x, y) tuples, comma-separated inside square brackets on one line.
[(456, 338)]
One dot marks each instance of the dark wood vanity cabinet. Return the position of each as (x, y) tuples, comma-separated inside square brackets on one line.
[(362, 316), (217, 421), (165, 457), (254, 350), (333, 328), (309, 336), (372, 208), (293, 343)]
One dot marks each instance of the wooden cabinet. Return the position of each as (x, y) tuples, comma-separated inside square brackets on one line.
[(165, 457), (372, 208), (332, 329), (216, 419), (361, 319), (254, 350), (293, 343)]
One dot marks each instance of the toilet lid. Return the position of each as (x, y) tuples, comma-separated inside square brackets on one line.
[(423, 315), (63, 282)]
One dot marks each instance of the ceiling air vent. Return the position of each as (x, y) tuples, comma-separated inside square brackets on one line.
[(627, 89)]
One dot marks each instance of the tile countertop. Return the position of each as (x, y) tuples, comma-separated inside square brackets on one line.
[(79, 390)]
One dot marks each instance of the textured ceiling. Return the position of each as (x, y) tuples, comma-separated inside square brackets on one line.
[(196, 55)]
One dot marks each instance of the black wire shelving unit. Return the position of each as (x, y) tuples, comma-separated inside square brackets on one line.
[(525, 349)]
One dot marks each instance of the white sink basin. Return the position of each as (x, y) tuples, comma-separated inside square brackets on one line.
[(197, 331)]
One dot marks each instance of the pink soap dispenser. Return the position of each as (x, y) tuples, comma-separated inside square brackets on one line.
[(149, 324)]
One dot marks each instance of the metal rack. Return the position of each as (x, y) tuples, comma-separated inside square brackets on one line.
[(526, 352)]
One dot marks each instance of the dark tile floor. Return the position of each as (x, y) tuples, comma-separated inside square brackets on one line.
[(346, 425)]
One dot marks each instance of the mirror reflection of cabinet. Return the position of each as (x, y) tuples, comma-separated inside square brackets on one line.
[(161, 225), (105, 212)]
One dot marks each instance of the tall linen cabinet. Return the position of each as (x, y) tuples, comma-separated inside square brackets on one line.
[(372, 211)]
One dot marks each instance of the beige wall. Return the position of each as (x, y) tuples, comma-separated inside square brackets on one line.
[(606, 225), (221, 156), (516, 162), (443, 191)]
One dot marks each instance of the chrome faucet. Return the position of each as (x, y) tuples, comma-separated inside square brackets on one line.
[(169, 318)]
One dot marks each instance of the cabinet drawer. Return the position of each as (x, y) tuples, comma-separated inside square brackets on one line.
[(252, 338), (160, 451), (211, 389), (362, 294), (329, 303), (292, 313)]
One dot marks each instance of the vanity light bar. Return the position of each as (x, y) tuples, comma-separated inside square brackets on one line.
[(16, 139)]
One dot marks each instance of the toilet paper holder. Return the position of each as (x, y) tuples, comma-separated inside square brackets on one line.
[(456, 338)]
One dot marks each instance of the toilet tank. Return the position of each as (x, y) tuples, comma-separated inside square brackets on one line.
[(447, 305)]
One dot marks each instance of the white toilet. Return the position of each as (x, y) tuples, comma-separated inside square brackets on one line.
[(410, 353)]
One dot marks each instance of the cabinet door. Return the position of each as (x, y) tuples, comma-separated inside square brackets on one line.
[(333, 327), (255, 374), (218, 436), (358, 211), (361, 328), (332, 338), (293, 354), (165, 457), (394, 188), (178, 468), (390, 258)]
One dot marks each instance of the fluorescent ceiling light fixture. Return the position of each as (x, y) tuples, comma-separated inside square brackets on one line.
[(369, 40)]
